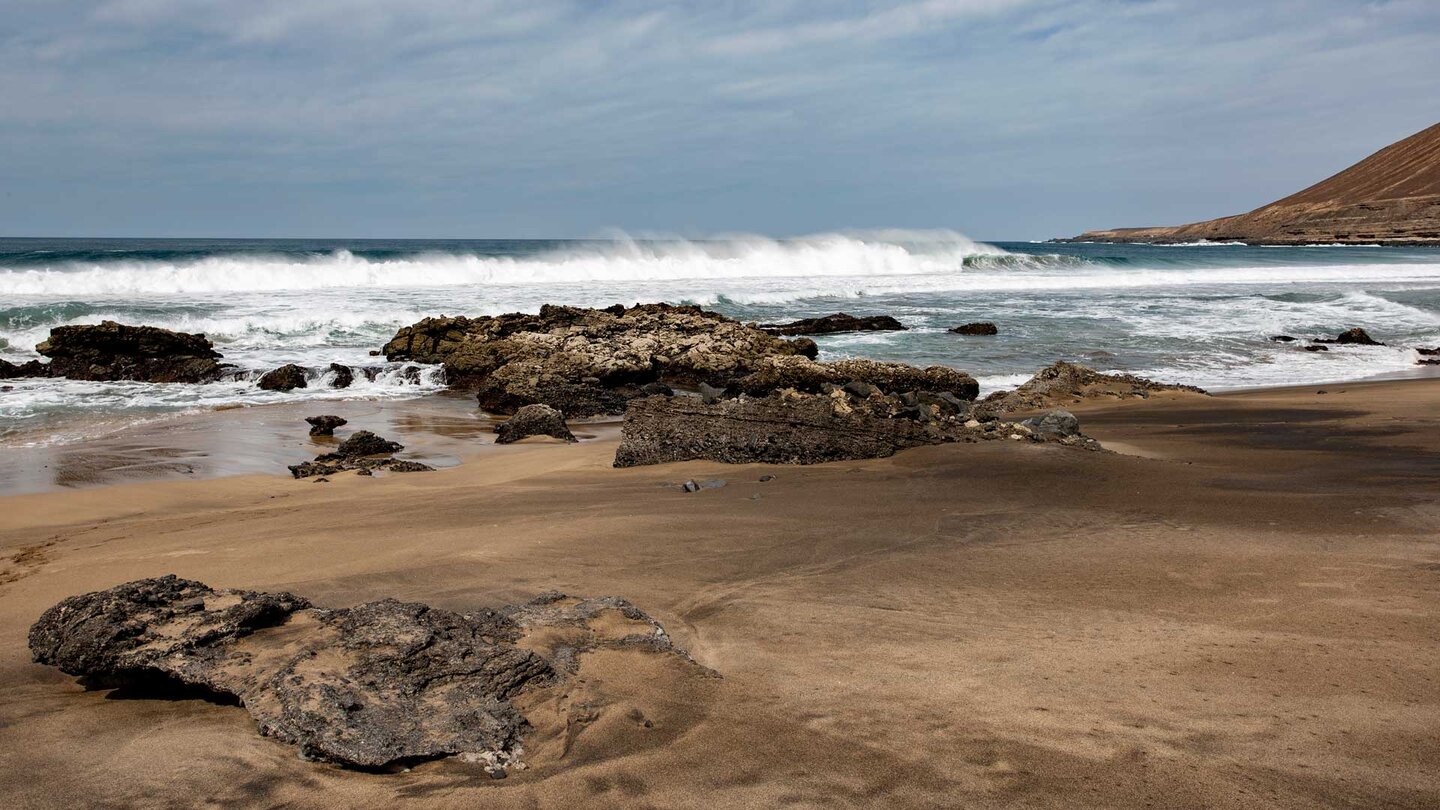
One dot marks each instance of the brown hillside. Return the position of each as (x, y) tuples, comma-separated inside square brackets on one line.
[(1391, 197)]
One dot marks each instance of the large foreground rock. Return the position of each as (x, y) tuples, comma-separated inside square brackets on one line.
[(832, 324), (113, 351), (1068, 383), (379, 684), (588, 361), (791, 427)]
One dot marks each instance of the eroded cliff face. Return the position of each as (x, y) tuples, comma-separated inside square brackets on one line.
[(1390, 197)]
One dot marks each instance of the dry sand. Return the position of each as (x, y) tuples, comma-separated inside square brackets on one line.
[(1239, 612)]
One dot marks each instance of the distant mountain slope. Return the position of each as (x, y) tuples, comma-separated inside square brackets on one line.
[(1392, 197)]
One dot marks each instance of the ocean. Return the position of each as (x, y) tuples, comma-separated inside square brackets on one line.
[(1199, 314)]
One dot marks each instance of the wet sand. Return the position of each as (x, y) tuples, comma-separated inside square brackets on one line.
[(1240, 610)]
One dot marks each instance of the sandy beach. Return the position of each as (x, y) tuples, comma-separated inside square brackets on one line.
[(1235, 609)]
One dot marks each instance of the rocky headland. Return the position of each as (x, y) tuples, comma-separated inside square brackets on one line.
[(1391, 197)]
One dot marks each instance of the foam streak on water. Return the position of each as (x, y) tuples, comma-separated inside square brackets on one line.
[(1195, 313)]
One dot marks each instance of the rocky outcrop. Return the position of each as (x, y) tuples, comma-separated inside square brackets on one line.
[(112, 351), (1353, 337), (534, 420), (378, 685), (325, 425), (587, 361), (1390, 197), (363, 443), (831, 324), (1066, 383), (285, 378), (977, 328), (792, 427), (30, 368), (364, 452)]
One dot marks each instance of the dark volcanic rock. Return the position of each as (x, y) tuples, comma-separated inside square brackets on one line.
[(113, 351), (1064, 383), (344, 376), (534, 420), (790, 427), (514, 360), (325, 425), (979, 328), (285, 378), (30, 368), (361, 452), (1317, 348), (365, 443), (1282, 338), (1357, 337), (380, 684), (830, 324), (121, 631)]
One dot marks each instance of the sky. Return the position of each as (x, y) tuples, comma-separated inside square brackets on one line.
[(1000, 119)]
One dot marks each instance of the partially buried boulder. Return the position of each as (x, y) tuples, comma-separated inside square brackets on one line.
[(325, 425), (1057, 422), (113, 351), (980, 328), (831, 324), (534, 420), (377, 685), (285, 378)]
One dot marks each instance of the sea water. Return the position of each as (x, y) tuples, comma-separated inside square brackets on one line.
[(1199, 314)]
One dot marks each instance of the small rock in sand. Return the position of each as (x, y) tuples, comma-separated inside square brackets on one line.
[(534, 420), (325, 425)]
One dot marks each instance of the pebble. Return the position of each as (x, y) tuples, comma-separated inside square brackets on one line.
[(765, 478)]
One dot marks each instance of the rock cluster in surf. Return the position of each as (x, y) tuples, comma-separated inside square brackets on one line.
[(833, 324), (378, 685), (113, 351), (586, 362)]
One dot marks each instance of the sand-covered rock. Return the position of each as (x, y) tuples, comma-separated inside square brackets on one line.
[(793, 427), (1066, 383), (587, 361), (832, 324), (112, 351), (379, 684), (534, 420)]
